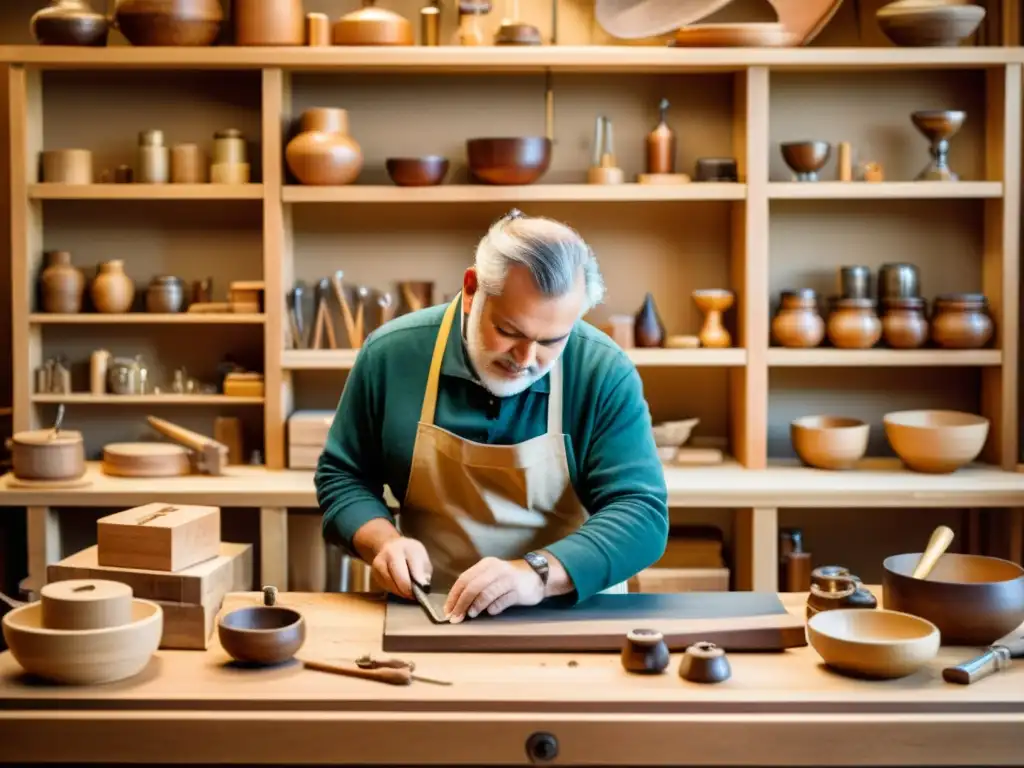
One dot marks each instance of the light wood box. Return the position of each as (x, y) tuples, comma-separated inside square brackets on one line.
[(307, 436), (158, 536), (681, 580)]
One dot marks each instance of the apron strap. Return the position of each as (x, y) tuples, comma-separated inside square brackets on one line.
[(555, 399), (430, 393)]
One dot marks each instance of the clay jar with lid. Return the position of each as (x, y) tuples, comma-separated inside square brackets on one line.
[(323, 153), (961, 321), (797, 323), (112, 291), (853, 324), (904, 325), (62, 284)]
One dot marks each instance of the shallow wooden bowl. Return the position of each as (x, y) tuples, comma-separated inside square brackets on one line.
[(87, 656), (507, 161), (972, 599), (829, 442), (417, 171), (873, 643), (262, 634), (919, 24), (936, 441)]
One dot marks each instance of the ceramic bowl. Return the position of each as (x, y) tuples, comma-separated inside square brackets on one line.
[(829, 442), (87, 656), (672, 434), (509, 160), (262, 634), (873, 643), (936, 441), (972, 599), (417, 171), (914, 23), (806, 158)]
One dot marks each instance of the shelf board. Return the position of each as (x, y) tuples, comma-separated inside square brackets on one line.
[(471, 60), (485, 193), (146, 191), (881, 358), (84, 398), (886, 190), (147, 318), (343, 359)]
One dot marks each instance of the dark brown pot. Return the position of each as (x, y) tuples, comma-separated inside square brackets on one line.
[(649, 331), (509, 160), (170, 22), (70, 22)]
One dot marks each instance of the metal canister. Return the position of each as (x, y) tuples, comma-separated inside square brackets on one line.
[(154, 159)]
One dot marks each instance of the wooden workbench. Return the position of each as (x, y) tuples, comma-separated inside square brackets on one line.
[(755, 495), (777, 709)]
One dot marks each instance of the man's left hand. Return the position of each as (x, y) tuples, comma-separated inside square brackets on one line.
[(493, 585)]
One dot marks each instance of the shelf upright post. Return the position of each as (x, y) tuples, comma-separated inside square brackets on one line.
[(1001, 261), (26, 143), (756, 529)]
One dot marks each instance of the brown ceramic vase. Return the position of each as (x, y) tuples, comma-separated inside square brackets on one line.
[(69, 22), (62, 284), (112, 291), (961, 321), (904, 325), (854, 324), (649, 330), (324, 154), (797, 324), (169, 22)]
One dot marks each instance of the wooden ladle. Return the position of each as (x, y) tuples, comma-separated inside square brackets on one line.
[(941, 538)]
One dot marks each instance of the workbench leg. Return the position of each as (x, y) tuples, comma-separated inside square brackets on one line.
[(307, 552), (274, 547), (756, 549), (44, 544)]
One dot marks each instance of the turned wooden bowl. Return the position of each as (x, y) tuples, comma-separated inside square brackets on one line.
[(874, 644), (936, 441), (417, 171), (806, 158), (262, 634), (972, 599), (919, 24), (509, 161), (829, 442)]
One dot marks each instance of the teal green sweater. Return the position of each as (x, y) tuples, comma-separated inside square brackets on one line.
[(613, 463)]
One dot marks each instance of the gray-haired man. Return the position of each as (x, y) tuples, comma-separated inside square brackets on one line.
[(515, 435)]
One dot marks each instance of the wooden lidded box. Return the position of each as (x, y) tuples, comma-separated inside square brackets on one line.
[(307, 436), (159, 536)]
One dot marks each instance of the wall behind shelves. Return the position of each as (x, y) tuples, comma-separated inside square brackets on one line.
[(799, 235)]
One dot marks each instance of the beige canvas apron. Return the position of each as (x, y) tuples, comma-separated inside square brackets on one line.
[(467, 500)]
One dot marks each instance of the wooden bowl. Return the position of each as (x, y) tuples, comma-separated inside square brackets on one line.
[(262, 634), (806, 158), (972, 599), (936, 441), (88, 656), (417, 171), (917, 24), (509, 161), (877, 644), (829, 442)]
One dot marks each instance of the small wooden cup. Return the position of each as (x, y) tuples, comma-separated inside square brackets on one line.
[(67, 166)]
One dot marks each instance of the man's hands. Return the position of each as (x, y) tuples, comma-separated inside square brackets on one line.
[(493, 585), (395, 559)]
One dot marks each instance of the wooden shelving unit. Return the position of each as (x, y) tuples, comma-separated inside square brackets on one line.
[(755, 237)]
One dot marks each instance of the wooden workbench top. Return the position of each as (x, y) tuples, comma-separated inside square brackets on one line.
[(875, 483), (773, 710)]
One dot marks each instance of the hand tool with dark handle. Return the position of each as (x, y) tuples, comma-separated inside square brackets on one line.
[(996, 658)]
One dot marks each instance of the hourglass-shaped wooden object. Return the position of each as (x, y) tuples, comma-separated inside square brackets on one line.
[(713, 303)]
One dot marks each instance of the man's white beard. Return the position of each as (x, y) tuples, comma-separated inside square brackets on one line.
[(482, 359)]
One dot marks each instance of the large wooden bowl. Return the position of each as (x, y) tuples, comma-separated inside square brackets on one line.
[(88, 656), (936, 441), (972, 599), (873, 643), (829, 442), (509, 160)]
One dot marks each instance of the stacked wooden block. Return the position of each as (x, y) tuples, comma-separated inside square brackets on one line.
[(173, 555)]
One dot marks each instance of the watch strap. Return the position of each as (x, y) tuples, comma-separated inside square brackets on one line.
[(539, 563)]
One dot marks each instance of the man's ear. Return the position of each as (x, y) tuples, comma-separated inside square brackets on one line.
[(469, 288)]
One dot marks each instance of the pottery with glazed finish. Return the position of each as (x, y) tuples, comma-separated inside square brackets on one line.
[(63, 284), (371, 25), (169, 22), (798, 324), (929, 23), (904, 325), (324, 154), (713, 303), (961, 321), (936, 441), (829, 442), (112, 291), (648, 329), (854, 325), (508, 160), (70, 22)]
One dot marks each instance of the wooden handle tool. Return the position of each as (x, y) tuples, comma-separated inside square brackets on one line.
[(212, 456), (941, 538), (346, 311), (391, 671), (996, 658)]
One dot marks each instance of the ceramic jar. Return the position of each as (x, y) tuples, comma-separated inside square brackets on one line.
[(324, 153), (165, 294), (854, 324), (169, 22), (154, 162), (797, 324), (904, 325), (961, 321), (112, 291), (69, 22), (648, 330), (62, 284)]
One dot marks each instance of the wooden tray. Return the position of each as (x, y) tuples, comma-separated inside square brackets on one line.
[(735, 621)]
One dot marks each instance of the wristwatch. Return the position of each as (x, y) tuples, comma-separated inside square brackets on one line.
[(539, 563)]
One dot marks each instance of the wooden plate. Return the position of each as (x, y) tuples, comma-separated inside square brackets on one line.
[(146, 460), (751, 35), (48, 485)]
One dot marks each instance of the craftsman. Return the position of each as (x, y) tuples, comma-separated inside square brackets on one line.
[(460, 410)]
